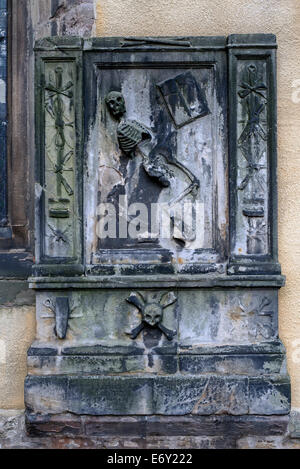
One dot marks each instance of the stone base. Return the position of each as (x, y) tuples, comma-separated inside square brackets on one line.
[(205, 411), (71, 432), (174, 395), (153, 389), (193, 432), (222, 426), (214, 398)]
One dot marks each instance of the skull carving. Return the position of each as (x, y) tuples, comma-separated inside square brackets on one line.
[(151, 309), (116, 104), (152, 314)]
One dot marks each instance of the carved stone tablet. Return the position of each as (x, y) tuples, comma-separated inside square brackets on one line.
[(156, 271)]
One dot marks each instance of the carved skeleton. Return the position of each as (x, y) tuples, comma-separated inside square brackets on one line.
[(131, 133), (158, 162)]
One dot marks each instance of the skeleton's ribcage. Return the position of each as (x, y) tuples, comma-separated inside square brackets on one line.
[(130, 134)]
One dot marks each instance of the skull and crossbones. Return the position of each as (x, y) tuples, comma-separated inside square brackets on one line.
[(151, 310)]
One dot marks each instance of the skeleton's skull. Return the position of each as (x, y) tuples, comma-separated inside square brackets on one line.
[(152, 314), (116, 104)]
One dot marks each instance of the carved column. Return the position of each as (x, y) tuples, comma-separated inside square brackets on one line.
[(59, 131), (253, 154)]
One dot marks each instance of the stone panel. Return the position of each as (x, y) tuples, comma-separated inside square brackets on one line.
[(131, 322)]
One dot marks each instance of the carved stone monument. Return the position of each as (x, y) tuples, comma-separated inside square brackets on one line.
[(156, 270)]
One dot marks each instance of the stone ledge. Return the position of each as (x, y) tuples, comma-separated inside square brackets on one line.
[(156, 364), (271, 347), (157, 281), (158, 395)]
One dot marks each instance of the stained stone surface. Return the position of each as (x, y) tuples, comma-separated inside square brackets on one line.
[(147, 334), (227, 317), (172, 395), (216, 432)]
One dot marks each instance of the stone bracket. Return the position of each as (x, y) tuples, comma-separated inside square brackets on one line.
[(62, 312)]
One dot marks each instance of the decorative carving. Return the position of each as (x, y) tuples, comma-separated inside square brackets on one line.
[(252, 144), (256, 235), (253, 132), (254, 212), (58, 235), (135, 41), (116, 104), (55, 107), (184, 99), (253, 206), (158, 161), (156, 167), (59, 169), (59, 176), (61, 310), (257, 327), (253, 126), (252, 156), (130, 132), (254, 86), (156, 164), (151, 310)]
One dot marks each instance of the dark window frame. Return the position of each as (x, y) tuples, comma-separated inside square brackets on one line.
[(4, 231), (16, 156)]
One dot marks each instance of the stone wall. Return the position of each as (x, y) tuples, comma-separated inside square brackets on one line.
[(17, 311), (223, 17), (62, 17)]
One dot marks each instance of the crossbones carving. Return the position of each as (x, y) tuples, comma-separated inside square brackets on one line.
[(151, 310)]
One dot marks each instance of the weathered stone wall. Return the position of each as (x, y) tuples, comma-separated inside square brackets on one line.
[(62, 17), (17, 311), (223, 17)]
